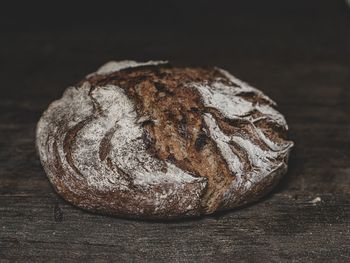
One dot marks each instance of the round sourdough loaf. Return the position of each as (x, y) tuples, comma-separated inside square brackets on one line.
[(148, 140)]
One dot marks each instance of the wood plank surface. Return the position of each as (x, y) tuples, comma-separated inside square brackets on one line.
[(297, 52)]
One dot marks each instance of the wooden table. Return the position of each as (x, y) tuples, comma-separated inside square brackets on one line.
[(298, 52)]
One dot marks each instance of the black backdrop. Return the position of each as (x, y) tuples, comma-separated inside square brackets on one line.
[(72, 38)]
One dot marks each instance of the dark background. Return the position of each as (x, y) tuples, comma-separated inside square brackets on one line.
[(298, 52)]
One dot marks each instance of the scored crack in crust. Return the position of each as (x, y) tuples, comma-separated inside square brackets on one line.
[(150, 140)]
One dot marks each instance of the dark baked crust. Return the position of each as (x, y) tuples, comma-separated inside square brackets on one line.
[(181, 126)]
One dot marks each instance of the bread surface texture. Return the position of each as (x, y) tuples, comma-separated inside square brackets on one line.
[(153, 141)]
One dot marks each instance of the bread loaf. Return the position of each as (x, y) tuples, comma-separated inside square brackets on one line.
[(148, 140)]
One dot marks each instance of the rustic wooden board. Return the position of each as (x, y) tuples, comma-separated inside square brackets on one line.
[(296, 52)]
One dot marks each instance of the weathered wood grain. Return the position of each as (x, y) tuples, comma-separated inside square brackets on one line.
[(297, 52), (277, 229)]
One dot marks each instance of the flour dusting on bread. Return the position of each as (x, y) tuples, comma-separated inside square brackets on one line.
[(99, 143)]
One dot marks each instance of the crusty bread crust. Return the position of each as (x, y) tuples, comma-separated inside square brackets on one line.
[(148, 140)]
